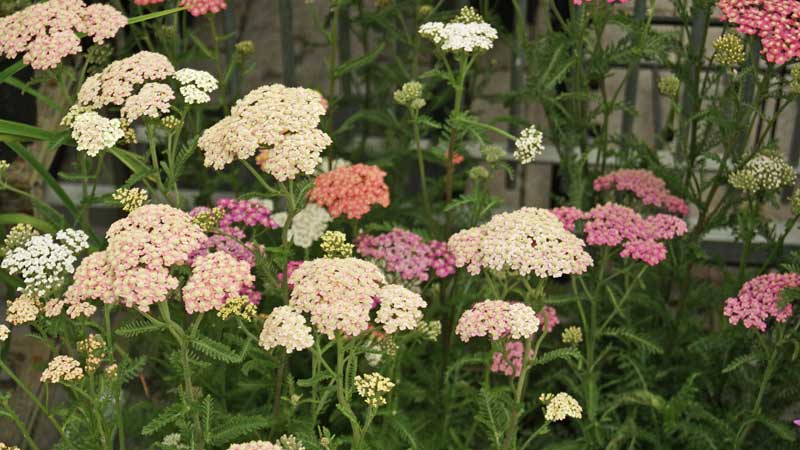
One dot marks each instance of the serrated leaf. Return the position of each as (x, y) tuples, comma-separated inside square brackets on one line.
[(357, 63), (237, 426), (560, 353), (166, 417), (631, 336), (214, 349), (137, 328), (740, 361)]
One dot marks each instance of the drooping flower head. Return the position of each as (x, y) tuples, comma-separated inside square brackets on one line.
[(548, 318), (645, 185), (281, 120), (350, 190), (498, 319), (529, 240), (337, 293), (773, 21), (287, 328), (47, 32), (407, 255), (466, 33), (759, 299)]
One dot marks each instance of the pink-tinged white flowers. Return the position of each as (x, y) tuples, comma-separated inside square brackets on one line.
[(23, 309), (4, 332), (62, 368), (529, 240), (94, 133), (400, 309), (216, 277), (152, 100), (47, 32), (774, 21), (308, 225), (282, 121), (645, 185), (350, 190), (287, 328), (194, 7), (498, 319), (758, 300), (338, 293), (43, 261), (116, 83), (548, 318), (407, 255), (615, 225), (255, 445)]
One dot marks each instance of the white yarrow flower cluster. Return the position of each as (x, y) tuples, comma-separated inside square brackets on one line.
[(93, 132), (4, 332), (44, 262), (560, 406), (530, 144), (460, 37), (401, 309), (196, 85), (285, 327), (309, 225)]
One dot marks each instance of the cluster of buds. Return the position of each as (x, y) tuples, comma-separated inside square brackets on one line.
[(572, 335), (334, 245), (410, 95), (669, 86), (730, 50), (208, 220), (93, 348), (18, 236), (170, 122), (238, 307)]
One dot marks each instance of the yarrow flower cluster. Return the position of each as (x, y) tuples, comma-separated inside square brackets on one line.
[(572, 335), (134, 269), (759, 299), (509, 362), (250, 212), (529, 145), (645, 185), (524, 241), (196, 85), (240, 307), (548, 318), (94, 133), (458, 36), (308, 225), (62, 368), (255, 445), (614, 225), (773, 21), (334, 245), (4, 332), (401, 309), (287, 328), (410, 95), (350, 190), (763, 173), (373, 387), (216, 277), (497, 319), (406, 254), (729, 50), (117, 82), (43, 261), (194, 7), (560, 406), (337, 293), (47, 32), (23, 309), (130, 198), (281, 120), (18, 236)]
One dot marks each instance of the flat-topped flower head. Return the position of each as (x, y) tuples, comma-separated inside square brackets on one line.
[(529, 240), (373, 387), (407, 255), (287, 328), (350, 190), (130, 198), (249, 212), (334, 245), (196, 85), (194, 7), (529, 145), (114, 84), (152, 100), (773, 21), (62, 368), (765, 172), (759, 299), (560, 406), (24, 309), (47, 32), (309, 225), (255, 445), (338, 293), (216, 278), (400, 308), (280, 120), (94, 133), (645, 185), (466, 33), (497, 319)]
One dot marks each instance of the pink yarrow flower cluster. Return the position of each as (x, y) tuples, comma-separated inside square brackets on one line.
[(645, 185), (497, 319), (509, 362), (529, 240), (47, 32), (134, 269), (758, 300), (250, 212), (215, 279), (350, 190), (774, 21), (195, 7), (407, 254), (615, 225)]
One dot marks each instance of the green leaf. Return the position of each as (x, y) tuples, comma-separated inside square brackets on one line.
[(237, 426), (137, 328), (308, 382), (740, 361), (154, 15), (402, 428), (357, 63), (782, 430), (25, 132), (10, 280), (214, 349), (166, 417), (494, 409), (631, 336), (15, 218), (560, 353), (34, 93), (208, 415), (347, 412), (11, 70)]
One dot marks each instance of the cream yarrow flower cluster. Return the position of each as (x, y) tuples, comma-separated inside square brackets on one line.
[(334, 245), (196, 85), (24, 309), (287, 328), (572, 335), (62, 368), (308, 225), (94, 133), (529, 145), (4, 332), (401, 309), (373, 387), (763, 173), (560, 406), (130, 198), (458, 36)]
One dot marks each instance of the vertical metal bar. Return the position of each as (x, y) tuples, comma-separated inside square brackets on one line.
[(287, 42), (632, 88)]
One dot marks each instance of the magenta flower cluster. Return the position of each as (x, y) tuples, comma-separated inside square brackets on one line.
[(774, 21), (407, 254), (645, 185), (615, 225), (249, 212), (758, 300)]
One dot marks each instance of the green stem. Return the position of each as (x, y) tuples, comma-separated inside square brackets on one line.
[(423, 181), (341, 394), (20, 425)]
